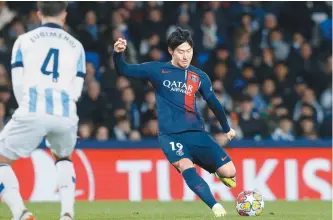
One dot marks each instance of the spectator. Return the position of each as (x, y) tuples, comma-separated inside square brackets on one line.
[(308, 129), (3, 119), (130, 53), (135, 136), (310, 99), (213, 125), (155, 54), (253, 91), (262, 36), (183, 22), (240, 82), (148, 107), (122, 129), (235, 43), (108, 81), (225, 97), (220, 72), (90, 74), (154, 24), (210, 35), (7, 97), (280, 47), (284, 131), (92, 105), (248, 24), (102, 133), (6, 14), (250, 123), (85, 130), (15, 30), (298, 41), (266, 68), (151, 128), (283, 81), (122, 83), (241, 58), (133, 113), (151, 41), (234, 121), (33, 21), (219, 55), (268, 90), (243, 41), (326, 100), (4, 81)]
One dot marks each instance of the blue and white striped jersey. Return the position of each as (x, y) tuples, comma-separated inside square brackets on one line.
[(48, 69)]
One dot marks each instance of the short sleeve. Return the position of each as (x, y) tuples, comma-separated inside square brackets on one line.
[(17, 56), (206, 88), (81, 64)]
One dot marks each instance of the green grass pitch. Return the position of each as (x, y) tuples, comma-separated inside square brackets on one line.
[(178, 210)]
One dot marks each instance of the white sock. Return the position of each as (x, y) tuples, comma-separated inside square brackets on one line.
[(217, 205), (9, 191), (66, 183)]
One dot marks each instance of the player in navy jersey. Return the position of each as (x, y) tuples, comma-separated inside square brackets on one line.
[(182, 136)]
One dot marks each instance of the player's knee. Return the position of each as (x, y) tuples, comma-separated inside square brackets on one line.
[(228, 170), (183, 164), (62, 159), (232, 171), (5, 161)]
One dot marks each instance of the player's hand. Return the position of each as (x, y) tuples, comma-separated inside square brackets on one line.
[(120, 45), (231, 134)]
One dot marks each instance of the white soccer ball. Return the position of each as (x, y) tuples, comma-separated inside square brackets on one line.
[(250, 203)]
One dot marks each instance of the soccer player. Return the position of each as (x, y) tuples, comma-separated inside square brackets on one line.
[(182, 135), (48, 69)]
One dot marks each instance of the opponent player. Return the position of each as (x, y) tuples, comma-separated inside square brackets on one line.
[(48, 69), (182, 135)]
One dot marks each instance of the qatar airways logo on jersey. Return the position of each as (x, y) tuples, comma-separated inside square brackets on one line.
[(177, 86)]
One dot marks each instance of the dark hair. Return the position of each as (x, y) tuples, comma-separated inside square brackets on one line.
[(122, 119), (178, 37), (52, 8)]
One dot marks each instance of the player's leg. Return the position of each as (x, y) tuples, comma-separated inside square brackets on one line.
[(227, 173), (9, 190), (18, 139), (179, 156), (210, 156), (62, 145)]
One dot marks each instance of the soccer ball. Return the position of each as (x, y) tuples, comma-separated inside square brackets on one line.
[(250, 203)]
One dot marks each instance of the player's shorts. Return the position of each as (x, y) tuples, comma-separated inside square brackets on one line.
[(198, 146), (23, 134)]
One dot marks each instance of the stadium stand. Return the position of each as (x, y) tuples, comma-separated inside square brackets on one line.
[(270, 67)]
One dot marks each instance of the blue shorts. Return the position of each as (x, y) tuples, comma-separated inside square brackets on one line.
[(198, 146)]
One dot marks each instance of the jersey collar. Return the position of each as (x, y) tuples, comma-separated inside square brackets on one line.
[(52, 25)]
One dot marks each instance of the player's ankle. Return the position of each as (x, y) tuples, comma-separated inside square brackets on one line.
[(217, 205)]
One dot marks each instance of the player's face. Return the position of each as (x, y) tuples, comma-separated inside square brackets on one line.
[(182, 55)]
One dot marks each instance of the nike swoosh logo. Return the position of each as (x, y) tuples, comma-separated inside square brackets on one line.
[(224, 158), (198, 186), (164, 71)]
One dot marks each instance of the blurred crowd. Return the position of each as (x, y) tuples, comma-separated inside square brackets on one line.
[(270, 64)]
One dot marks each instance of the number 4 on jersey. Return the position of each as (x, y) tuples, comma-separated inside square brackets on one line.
[(54, 54)]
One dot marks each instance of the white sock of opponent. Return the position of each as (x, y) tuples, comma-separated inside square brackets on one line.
[(66, 184), (9, 191)]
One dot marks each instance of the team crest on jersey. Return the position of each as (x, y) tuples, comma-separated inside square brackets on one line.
[(194, 78), (180, 152)]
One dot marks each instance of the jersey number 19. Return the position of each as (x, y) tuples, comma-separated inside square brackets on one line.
[(52, 54)]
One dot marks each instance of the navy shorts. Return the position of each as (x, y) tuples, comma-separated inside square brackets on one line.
[(198, 146)]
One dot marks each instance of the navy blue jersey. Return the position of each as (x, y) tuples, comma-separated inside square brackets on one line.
[(175, 90)]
